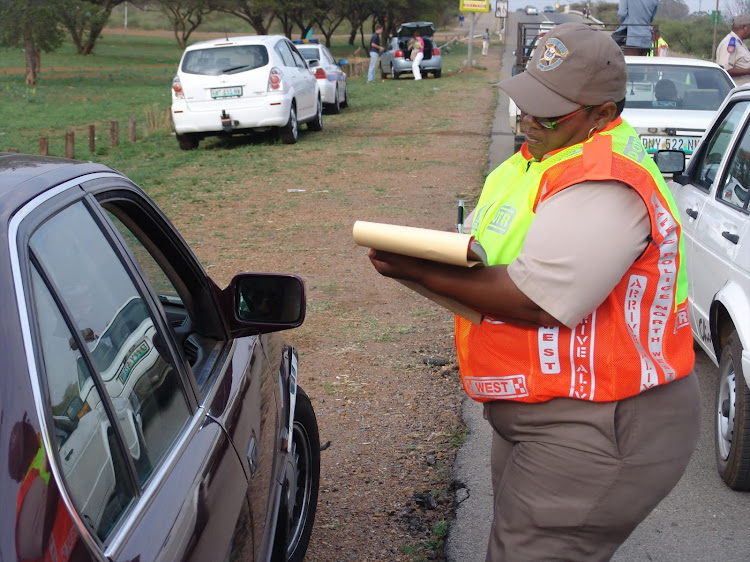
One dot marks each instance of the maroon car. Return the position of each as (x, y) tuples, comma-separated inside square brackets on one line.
[(145, 413)]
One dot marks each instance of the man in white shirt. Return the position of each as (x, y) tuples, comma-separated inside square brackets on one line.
[(732, 53)]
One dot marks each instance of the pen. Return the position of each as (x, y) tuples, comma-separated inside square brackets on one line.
[(460, 225)]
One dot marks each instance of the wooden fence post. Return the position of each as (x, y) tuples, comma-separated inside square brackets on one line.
[(44, 146), (69, 145), (114, 133), (131, 128), (169, 118), (92, 138)]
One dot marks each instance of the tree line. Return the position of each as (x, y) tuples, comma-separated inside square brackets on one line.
[(41, 25)]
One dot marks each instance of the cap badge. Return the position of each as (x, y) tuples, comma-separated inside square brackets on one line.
[(554, 54)]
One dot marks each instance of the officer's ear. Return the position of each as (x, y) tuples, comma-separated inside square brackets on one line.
[(604, 114)]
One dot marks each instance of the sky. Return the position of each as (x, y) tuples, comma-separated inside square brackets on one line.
[(694, 5)]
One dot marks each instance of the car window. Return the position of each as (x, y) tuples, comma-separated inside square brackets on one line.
[(734, 190), (124, 353), (91, 460), (327, 55), (299, 60), (653, 86), (282, 47), (224, 60), (708, 165), (310, 53)]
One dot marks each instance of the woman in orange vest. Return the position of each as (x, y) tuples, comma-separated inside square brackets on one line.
[(584, 355)]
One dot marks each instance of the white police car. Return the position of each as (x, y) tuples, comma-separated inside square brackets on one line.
[(329, 73)]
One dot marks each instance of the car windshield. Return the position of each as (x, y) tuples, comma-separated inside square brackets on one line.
[(652, 86), (309, 53), (225, 60)]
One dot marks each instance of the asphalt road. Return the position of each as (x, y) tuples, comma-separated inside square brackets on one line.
[(700, 521)]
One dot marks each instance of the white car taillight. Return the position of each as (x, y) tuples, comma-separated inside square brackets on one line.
[(320, 73), (177, 88), (275, 83)]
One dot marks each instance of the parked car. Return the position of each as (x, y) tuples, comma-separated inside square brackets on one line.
[(243, 85), (148, 414), (712, 198), (671, 100), (532, 11), (328, 72), (395, 61)]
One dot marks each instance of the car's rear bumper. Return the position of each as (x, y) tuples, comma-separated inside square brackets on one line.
[(327, 90), (404, 65), (205, 117)]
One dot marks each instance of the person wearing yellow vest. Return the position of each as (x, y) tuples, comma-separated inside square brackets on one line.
[(584, 356), (659, 47)]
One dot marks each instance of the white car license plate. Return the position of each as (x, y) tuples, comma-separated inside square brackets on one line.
[(686, 144), (233, 92)]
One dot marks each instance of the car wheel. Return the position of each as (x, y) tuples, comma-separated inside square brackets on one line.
[(290, 131), (188, 141), (335, 107), (733, 418), (345, 103), (317, 123), (302, 480), (437, 74), (394, 73)]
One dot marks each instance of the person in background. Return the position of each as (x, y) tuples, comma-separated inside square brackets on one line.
[(584, 356), (375, 50), (659, 47), (417, 46), (460, 20), (485, 41), (635, 18), (732, 53)]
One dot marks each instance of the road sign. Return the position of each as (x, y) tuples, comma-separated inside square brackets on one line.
[(501, 9), (481, 6)]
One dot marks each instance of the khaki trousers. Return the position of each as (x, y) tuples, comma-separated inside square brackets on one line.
[(572, 479)]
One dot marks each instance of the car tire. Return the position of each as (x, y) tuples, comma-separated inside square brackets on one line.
[(317, 123), (437, 74), (732, 443), (345, 103), (335, 107), (188, 141), (394, 73), (290, 132), (303, 474)]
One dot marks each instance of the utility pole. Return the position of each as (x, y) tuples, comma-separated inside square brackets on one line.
[(471, 37)]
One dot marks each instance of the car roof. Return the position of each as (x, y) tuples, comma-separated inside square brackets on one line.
[(241, 40), (670, 61), (24, 176)]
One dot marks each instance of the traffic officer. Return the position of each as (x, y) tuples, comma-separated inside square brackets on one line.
[(732, 53)]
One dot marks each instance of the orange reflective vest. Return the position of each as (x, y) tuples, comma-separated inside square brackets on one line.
[(639, 337)]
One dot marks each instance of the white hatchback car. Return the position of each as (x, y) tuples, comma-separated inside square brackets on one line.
[(671, 100), (241, 85), (712, 198), (328, 72)]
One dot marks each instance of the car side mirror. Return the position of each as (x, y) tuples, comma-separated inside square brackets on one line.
[(265, 302), (670, 161), (313, 63), (343, 62)]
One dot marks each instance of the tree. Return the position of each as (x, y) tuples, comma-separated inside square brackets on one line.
[(185, 17), (672, 9), (85, 20), (35, 25), (258, 13)]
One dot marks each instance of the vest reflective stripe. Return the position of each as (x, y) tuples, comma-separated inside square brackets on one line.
[(638, 338)]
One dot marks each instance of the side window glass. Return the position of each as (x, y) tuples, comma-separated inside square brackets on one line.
[(734, 189), (92, 462), (286, 55), (710, 157), (298, 59), (126, 348)]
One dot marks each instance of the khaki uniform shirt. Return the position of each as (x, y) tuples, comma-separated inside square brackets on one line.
[(580, 244), (738, 58)]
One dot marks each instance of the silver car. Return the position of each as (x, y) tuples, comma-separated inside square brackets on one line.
[(395, 61)]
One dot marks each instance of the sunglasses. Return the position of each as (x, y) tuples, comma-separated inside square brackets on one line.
[(550, 124)]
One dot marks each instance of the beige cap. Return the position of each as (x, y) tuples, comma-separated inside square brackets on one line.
[(573, 65), (742, 19)]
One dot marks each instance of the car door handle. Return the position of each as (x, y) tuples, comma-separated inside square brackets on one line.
[(692, 213), (733, 238)]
